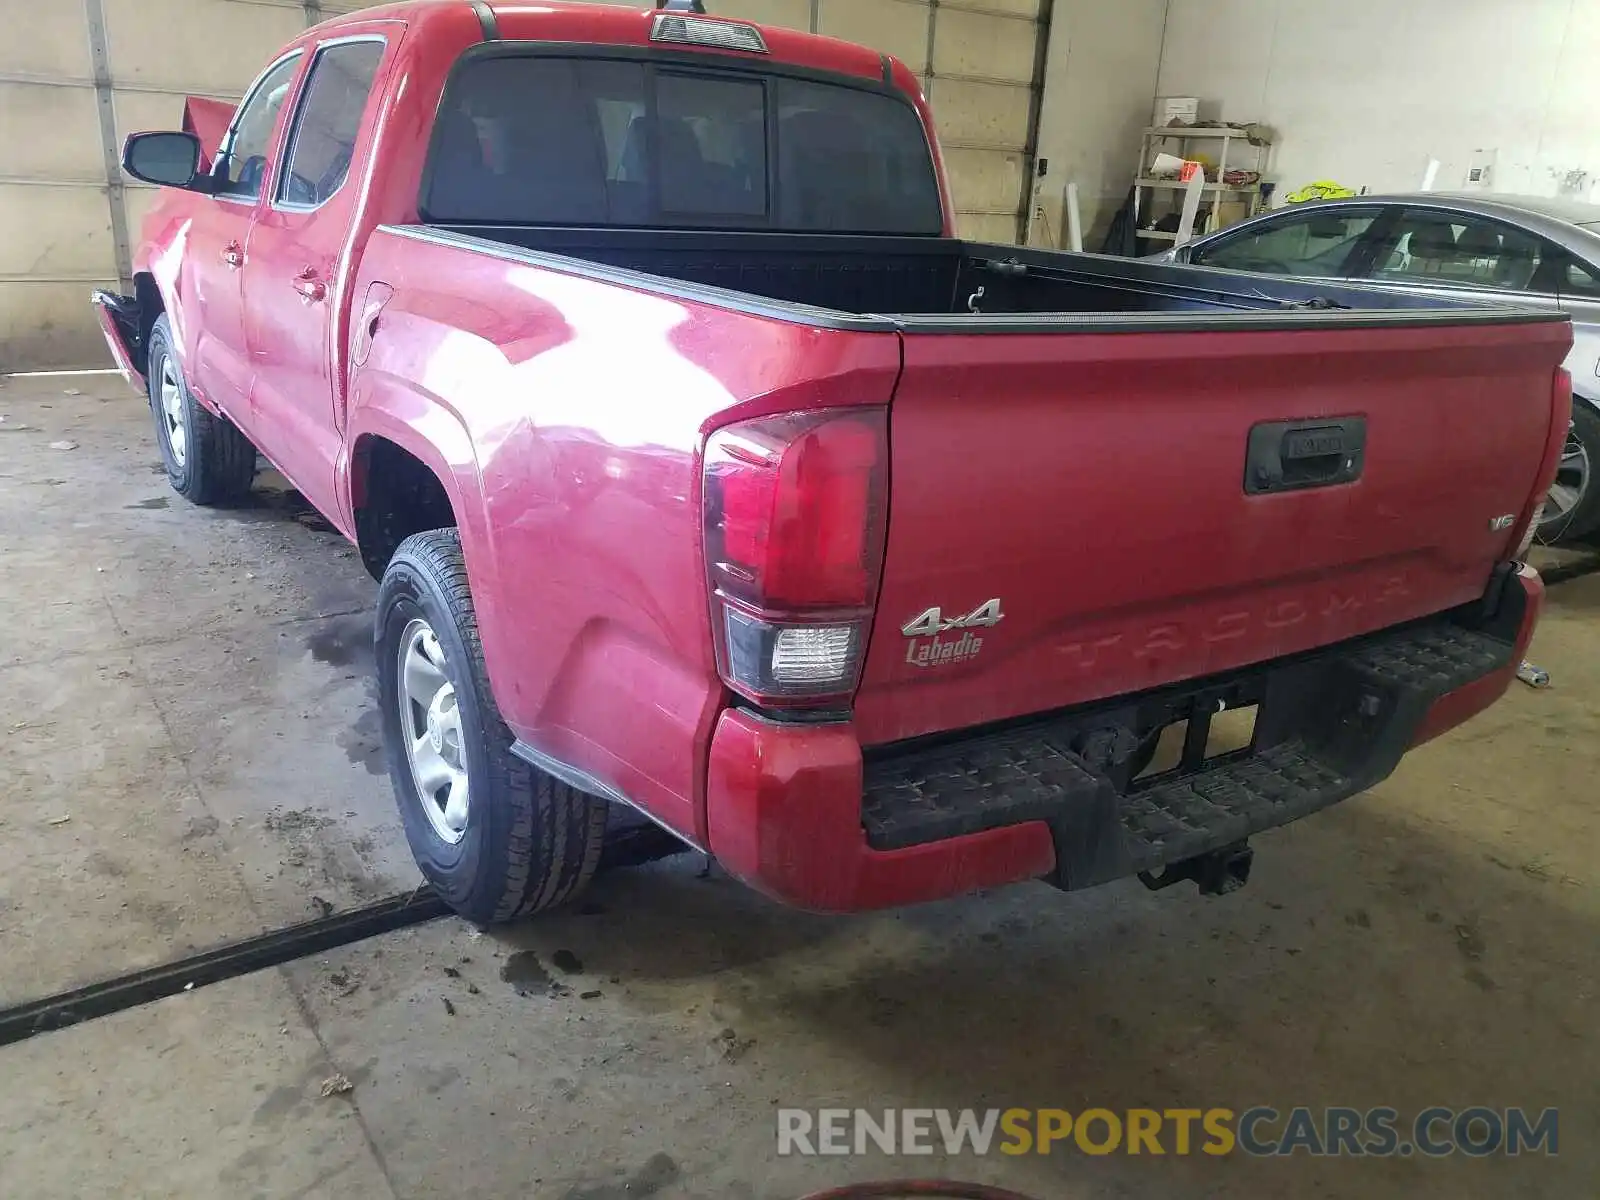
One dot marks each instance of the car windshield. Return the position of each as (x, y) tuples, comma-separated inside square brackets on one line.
[(543, 140)]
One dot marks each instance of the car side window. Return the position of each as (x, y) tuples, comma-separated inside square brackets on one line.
[(1580, 279), (1453, 250), (240, 171), (1316, 242), (323, 139)]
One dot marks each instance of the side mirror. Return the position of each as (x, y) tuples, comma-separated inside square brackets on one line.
[(165, 159)]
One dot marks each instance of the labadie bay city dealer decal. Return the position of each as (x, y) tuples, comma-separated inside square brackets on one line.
[(933, 640)]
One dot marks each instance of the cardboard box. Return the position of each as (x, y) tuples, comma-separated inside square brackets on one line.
[(1185, 110), (1231, 212)]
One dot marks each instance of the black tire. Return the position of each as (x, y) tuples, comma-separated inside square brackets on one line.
[(217, 463), (1583, 518), (530, 841), (1586, 428)]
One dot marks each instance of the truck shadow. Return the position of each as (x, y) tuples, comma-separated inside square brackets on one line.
[(1372, 961), (273, 498)]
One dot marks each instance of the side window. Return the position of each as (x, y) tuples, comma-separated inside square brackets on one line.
[(324, 136), (241, 170), (1317, 242), (1581, 279), (1452, 250)]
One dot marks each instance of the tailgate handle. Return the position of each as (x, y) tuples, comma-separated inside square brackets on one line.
[(1287, 456)]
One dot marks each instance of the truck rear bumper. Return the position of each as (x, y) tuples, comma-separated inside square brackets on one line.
[(795, 811)]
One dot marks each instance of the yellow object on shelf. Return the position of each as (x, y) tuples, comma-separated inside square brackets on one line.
[(1322, 189)]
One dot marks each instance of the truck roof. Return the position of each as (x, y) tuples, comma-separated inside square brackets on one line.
[(614, 25)]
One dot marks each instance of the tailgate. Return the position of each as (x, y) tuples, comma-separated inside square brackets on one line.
[(1075, 506)]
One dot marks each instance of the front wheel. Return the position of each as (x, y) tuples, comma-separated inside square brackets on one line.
[(497, 838), (208, 460)]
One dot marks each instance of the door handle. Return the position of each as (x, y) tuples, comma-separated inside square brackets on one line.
[(310, 287), (233, 255), (1285, 456)]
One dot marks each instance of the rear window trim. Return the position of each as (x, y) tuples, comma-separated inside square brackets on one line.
[(708, 64)]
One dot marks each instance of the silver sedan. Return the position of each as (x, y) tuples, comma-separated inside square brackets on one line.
[(1517, 249)]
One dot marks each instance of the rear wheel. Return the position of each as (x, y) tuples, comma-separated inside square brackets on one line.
[(208, 460), (1573, 508), (497, 838)]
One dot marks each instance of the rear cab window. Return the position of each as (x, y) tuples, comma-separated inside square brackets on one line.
[(540, 139)]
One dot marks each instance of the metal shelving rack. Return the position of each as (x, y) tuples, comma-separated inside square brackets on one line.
[(1226, 141)]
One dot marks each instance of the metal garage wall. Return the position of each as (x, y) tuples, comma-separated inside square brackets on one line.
[(76, 76), (984, 78), (55, 227), (982, 66), (1099, 83)]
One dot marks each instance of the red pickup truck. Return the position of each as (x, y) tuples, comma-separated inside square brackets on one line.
[(707, 471)]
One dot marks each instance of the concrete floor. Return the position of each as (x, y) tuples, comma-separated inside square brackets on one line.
[(190, 755)]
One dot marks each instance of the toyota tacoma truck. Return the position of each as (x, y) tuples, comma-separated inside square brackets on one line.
[(706, 470)]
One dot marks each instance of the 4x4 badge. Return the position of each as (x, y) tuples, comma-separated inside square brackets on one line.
[(932, 622), (928, 647)]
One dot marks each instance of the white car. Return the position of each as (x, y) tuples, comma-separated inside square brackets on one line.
[(1523, 250)]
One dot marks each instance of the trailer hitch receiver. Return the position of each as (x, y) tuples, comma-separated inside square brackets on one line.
[(1215, 874)]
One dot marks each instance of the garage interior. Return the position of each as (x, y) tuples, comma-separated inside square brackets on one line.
[(195, 757)]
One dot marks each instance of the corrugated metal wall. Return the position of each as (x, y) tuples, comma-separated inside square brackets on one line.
[(55, 225), (978, 60), (78, 75)]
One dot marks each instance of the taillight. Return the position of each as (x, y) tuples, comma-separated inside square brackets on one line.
[(794, 530)]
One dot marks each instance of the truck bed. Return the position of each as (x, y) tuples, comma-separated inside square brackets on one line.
[(1157, 474), (933, 283)]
